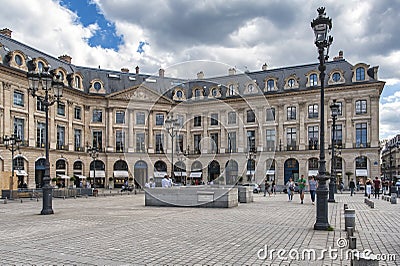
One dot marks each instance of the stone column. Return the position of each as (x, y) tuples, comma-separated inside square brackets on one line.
[(303, 131), (261, 139), (205, 118), (87, 133), (70, 131), (280, 117), (348, 130), (151, 122), (131, 134), (31, 101), (242, 138), (109, 127), (222, 126)]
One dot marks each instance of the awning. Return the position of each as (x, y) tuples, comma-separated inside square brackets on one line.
[(270, 172), (21, 173), (361, 172), (312, 172), (121, 174), (196, 174), (64, 177), (99, 173), (160, 174), (80, 176), (179, 173)]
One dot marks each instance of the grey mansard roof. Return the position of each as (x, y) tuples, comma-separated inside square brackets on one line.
[(117, 81)]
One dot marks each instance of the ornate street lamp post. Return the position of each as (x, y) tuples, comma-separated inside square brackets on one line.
[(47, 82), (94, 154), (171, 123), (322, 26), (334, 112), (12, 144)]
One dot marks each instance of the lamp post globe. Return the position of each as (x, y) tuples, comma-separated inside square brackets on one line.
[(322, 26)]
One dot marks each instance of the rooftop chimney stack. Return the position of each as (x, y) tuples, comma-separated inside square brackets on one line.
[(339, 57), (124, 70), (200, 75), (232, 71), (137, 69), (161, 73), (264, 67), (6, 32), (65, 58)]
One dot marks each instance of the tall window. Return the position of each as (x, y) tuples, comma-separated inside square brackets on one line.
[(231, 142), (181, 120), (159, 143), (231, 118), (313, 137), (197, 93), (197, 121), (340, 104), (214, 142), (40, 134), (140, 118), (60, 137), (338, 136), (179, 143), (313, 111), (361, 135), (140, 144), (270, 138), (77, 139), (159, 119), (251, 140), (120, 117), (270, 114), (97, 116), (39, 104), (291, 138), (291, 83), (251, 117), (119, 141), (77, 82), (291, 113), (197, 139), (98, 139), (313, 80), (270, 85), (61, 109), (19, 128), (361, 107), (78, 113), (18, 98), (360, 74), (214, 119)]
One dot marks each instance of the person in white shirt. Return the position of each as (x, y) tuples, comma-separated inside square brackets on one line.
[(165, 181)]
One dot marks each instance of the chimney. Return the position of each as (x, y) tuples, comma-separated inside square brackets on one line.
[(65, 58), (161, 73), (339, 57), (200, 75), (264, 67), (137, 69), (6, 32), (232, 71), (124, 70)]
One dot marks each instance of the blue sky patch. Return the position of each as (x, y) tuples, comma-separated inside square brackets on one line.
[(88, 14)]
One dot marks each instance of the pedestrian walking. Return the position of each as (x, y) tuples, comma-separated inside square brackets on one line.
[(266, 188), (273, 188), (352, 185), (312, 185), (368, 188), (377, 187), (341, 186), (290, 188), (302, 186), (358, 185)]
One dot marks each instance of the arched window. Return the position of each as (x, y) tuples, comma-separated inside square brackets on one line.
[(270, 85), (313, 80), (197, 93), (336, 77), (360, 74)]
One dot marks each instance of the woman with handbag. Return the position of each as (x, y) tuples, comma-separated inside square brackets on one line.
[(290, 189)]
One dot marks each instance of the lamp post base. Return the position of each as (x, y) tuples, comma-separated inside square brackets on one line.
[(322, 205), (47, 200)]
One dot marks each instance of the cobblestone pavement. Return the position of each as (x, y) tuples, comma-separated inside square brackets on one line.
[(120, 230)]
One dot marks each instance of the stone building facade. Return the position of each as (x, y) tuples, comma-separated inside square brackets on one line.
[(241, 127)]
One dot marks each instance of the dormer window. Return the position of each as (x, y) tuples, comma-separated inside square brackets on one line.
[(231, 90), (313, 80), (18, 59), (77, 83), (40, 67), (336, 77), (61, 75), (291, 83), (270, 85), (214, 92), (97, 86), (197, 93), (179, 94), (360, 74), (250, 88)]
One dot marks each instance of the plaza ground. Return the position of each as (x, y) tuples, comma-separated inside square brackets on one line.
[(120, 230)]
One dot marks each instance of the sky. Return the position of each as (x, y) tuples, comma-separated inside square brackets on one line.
[(212, 35)]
